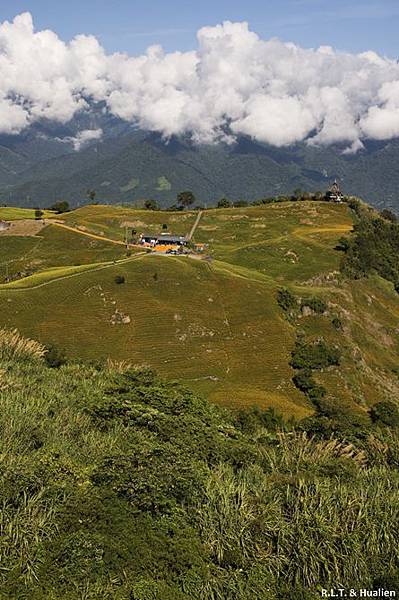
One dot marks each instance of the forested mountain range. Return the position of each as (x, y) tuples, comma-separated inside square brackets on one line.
[(41, 165)]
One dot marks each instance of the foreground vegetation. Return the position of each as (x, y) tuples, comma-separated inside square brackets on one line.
[(117, 484)]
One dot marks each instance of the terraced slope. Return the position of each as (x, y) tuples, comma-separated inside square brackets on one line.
[(52, 247), (178, 315), (287, 241), (214, 324), (111, 222)]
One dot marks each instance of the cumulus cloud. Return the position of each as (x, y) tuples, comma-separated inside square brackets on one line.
[(83, 138), (234, 83)]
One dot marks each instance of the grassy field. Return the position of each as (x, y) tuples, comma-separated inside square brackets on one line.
[(216, 324), (288, 241), (183, 318), (53, 247), (10, 213), (111, 221)]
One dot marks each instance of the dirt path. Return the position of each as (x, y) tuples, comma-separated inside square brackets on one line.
[(304, 231), (194, 227), (90, 235)]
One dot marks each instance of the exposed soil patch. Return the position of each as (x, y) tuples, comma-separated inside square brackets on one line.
[(208, 227), (24, 228)]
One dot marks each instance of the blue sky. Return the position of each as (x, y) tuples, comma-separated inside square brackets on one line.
[(133, 25)]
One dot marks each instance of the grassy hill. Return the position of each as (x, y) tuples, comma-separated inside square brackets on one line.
[(13, 213), (214, 324)]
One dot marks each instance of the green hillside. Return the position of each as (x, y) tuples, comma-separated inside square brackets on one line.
[(116, 484), (12, 213), (214, 324)]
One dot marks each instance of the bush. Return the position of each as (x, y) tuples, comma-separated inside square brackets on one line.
[(249, 420), (150, 205), (336, 323), (305, 383), (286, 299), (389, 215), (60, 207), (119, 279), (385, 412), (316, 304), (343, 244), (54, 358), (374, 248), (317, 355), (223, 203)]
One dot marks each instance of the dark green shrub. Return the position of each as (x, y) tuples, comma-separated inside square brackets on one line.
[(54, 358), (119, 279), (286, 299), (150, 205), (336, 323), (388, 215), (343, 244), (60, 207), (388, 582), (305, 383), (317, 355), (171, 478), (374, 248), (315, 304), (385, 412), (251, 419)]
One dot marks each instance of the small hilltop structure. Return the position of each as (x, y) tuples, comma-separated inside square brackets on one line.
[(334, 193), (151, 239)]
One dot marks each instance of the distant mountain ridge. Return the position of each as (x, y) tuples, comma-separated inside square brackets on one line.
[(41, 166)]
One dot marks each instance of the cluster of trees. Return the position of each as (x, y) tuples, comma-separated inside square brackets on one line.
[(308, 357), (298, 195), (187, 199), (373, 247), (183, 200), (62, 206)]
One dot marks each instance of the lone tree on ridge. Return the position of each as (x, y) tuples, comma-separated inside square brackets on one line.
[(185, 199)]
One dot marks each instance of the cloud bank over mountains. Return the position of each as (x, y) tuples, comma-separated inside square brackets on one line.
[(233, 84)]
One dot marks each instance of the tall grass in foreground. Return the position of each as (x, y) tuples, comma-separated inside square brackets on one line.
[(13, 345), (115, 484), (299, 524)]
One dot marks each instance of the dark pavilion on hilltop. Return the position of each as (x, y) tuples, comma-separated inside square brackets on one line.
[(334, 194)]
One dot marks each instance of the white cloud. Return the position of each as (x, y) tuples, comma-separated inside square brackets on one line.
[(234, 83), (83, 138)]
